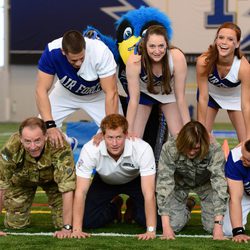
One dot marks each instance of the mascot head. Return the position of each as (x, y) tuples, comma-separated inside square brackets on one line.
[(131, 27)]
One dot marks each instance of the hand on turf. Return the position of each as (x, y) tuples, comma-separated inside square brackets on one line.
[(62, 234), (218, 233), (79, 234), (168, 234), (55, 137), (2, 233), (146, 236), (241, 238), (97, 138)]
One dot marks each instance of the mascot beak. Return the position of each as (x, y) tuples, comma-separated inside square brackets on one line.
[(126, 47)]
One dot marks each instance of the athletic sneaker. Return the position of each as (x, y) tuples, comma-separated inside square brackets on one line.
[(118, 202), (129, 214), (74, 143), (190, 203)]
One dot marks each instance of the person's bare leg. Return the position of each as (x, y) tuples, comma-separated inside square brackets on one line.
[(141, 119), (237, 120)]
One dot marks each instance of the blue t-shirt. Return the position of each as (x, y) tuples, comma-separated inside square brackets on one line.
[(98, 62), (235, 170)]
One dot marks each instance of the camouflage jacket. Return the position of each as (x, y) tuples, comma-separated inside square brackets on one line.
[(178, 172), (17, 167)]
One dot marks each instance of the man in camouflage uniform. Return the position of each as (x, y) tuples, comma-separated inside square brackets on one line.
[(27, 161), (190, 163)]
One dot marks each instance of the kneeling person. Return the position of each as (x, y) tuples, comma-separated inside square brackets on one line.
[(122, 166), (27, 161), (237, 171), (187, 164)]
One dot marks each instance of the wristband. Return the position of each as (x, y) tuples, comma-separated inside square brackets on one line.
[(151, 229), (67, 227), (238, 231), (50, 124), (220, 222)]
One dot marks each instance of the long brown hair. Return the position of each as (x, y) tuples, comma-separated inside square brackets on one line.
[(212, 53), (166, 74), (190, 135)]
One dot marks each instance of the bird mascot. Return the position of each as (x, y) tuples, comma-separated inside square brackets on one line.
[(130, 29)]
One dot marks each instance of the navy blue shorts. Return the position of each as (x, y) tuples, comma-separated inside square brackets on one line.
[(146, 100), (211, 102)]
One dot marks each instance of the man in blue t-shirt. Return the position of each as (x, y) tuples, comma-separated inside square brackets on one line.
[(86, 72), (237, 170)]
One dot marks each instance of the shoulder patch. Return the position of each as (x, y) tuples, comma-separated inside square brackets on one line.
[(69, 171), (4, 157), (6, 154)]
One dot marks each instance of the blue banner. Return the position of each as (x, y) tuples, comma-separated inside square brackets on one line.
[(34, 23)]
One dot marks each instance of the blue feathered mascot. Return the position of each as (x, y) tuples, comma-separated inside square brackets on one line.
[(130, 28)]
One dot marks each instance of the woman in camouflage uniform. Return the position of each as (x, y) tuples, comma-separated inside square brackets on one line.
[(190, 163)]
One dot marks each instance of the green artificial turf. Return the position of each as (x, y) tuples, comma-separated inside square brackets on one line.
[(41, 222)]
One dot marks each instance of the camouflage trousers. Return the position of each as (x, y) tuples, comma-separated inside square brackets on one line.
[(18, 201), (180, 215)]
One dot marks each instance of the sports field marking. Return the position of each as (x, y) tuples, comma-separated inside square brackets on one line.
[(111, 235), (6, 134), (224, 133), (49, 212), (35, 212)]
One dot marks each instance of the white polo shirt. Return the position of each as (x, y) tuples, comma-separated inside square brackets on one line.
[(137, 159)]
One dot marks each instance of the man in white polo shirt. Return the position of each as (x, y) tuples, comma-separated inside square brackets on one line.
[(122, 166)]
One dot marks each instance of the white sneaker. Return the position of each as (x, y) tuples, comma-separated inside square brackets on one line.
[(74, 143)]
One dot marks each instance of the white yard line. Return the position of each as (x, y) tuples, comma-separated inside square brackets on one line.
[(5, 134), (111, 235)]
